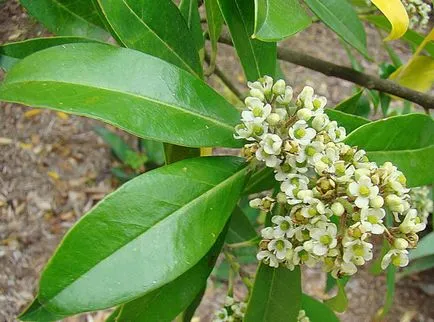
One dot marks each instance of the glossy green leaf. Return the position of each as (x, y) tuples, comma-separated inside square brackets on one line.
[(36, 312), (259, 181), (112, 317), (190, 11), (138, 25), (338, 303), (154, 150), (11, 53), (425, 247), (120, 148), (142, 236), (340, 16), (214, 20), (348, 121), (68, 18), (407, 141), (257, 58), (317, 311), (128, 89), (276, 295), (412, 37), (240, 228), (166, 302), (272, 22), (350, 104)]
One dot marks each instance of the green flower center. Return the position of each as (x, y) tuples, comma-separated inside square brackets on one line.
[(316, 104), (304, 255), (326, 160), (312, 212), (280, 245), (326, 240), (373, 219), (358, 250), (258, 130), (364, 191), (299, 133), (310, 151), (257, 111), (284, 225), (396, 260), (286, 167)]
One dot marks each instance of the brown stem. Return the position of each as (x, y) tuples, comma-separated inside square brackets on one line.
[(349, 74)]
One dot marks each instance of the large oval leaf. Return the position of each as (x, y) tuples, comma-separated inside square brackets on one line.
[(131, 90), (257, 58), (395, 12), (276, 295), (166, 302), (407, 141), (190, 11), (142, 236), (340, 16), (317, 311), (272, 22), (138, 24), (68, 18)]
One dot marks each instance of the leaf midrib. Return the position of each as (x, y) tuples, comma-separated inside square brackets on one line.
[(186, 111), (169, 217), (74, 14)]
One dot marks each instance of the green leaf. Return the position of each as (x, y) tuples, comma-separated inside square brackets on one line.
[(350, 104), (340, 16), (154, 150), (175, 153), (411, 37), (188, 314), (36, 312), (406, 140), (136, 92), (214, 20), (317, 311), (257, 58), (261, 180), (166, 302), (339, 303), (190, 11), (120, 148), (68, 18), (271, 19), (138, 25), (348, 121), (142, 236), (276, 295), (114, 315), (240, 228), (11, 53), (424, 248)]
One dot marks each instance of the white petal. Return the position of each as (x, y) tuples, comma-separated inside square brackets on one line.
[(362, 202)]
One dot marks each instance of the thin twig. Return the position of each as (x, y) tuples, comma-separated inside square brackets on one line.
[(226, 80), (349, 74)]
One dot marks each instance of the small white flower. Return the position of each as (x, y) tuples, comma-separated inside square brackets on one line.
[(335, 132), (257, 113), (239, 309), (268, 258), (279, 247), (267, 233), (309, 151), (305, 98), (286, 98), (283, 226), (271, 144), (372, 220), (221, 315), (395, 203), (398, 257), (323, 239), (412, 223), (364, 190), (270, 159), (293, 184), (320, 121), (250, 131), (315, 208), (301, 133), (229, 301), (302, 256), (324, 162), (357, 251), (343, 173)]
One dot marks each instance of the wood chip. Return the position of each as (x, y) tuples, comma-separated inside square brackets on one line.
[(5, 141), (31, 113)]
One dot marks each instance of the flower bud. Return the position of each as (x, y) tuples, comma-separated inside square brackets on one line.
[(361, 172), (394, 203), (337, 209), (281, 198), (279, 87), (257, 93), (304, 114), (400, 243), (273, 119), (376, 202), (319, 122)]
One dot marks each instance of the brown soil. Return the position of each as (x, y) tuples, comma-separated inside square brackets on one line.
[(54, 168)]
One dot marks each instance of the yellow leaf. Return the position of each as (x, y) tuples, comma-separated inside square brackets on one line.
[(62, 115), (25, 146), (53, 174), (395, 12), (32, 112), (417, 74), (204, 152)]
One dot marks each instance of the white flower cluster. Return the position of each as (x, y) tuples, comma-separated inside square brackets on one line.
[(233, 311), (421, 198), (332, 198), (418, 12), (302, 317)]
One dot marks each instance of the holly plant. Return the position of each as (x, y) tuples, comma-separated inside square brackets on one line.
[(312, 185)]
